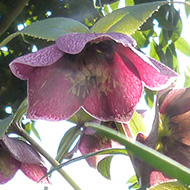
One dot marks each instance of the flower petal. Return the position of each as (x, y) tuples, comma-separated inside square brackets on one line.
[(23, 66), (8, 165), (154, 74), (49, 93), (35, 172), (93, 143), (74, 43), (21, 151), (119, 103)]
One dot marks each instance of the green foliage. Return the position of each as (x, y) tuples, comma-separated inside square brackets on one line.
[(104, 167), (173, 185), (126, 20), (137, 124), (4, 124)]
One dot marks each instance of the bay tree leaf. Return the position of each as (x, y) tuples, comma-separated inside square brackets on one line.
[(173, 185), (126, 20), (104, 167)]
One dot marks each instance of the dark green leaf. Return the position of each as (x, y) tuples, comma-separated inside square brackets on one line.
[(148, 155), (126, 20), (104, 167), (4, 124)]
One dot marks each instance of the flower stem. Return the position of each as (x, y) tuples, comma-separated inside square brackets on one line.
[(53, 162)]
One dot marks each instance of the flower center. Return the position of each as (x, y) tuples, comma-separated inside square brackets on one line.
[(90, 69)]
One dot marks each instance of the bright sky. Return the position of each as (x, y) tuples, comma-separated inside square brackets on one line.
[(86, 177)]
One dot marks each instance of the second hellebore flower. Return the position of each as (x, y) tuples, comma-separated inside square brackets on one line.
[(16, 154), (102, 73)]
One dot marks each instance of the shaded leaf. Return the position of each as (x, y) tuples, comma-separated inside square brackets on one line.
[(126, 20), (148, 155), (4, 124), (104, 167), (169, 185)]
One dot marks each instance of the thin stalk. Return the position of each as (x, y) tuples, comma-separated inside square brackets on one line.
[(53, 162)]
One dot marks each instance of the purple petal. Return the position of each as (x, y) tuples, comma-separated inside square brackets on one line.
[(35, 172), (154, 74), (21, 151), (74, 43), (119, 103), (89, 143), (23, 66), (49, 93), (8, 165)]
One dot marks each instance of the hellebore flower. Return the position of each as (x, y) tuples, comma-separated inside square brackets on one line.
[(102, 73), (16, 154), (91, 141), (173, 137)]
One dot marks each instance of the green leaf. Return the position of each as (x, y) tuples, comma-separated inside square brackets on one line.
[(8, 39), (182, 45), (153, 158), (137, 124), (49, 29), (134, 182), (109, 151), (4, 124), (66, 142), (104, 167), (52, 28), (126, 20), (174, 185)]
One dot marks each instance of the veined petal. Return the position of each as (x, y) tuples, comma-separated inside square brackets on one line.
[(154, 74), (74, 43), (8, 165), (21, 151), (35, 172), (24, 65), (118, 103), (50, 96)]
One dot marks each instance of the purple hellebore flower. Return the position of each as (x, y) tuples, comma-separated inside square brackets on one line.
[(91, 141), (173, 139), (16, 154), (100, 72)]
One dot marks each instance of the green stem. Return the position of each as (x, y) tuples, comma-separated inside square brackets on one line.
[(53, 162)]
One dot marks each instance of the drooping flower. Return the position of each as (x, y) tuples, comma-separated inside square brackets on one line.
[(16, 154), (102, 73), (173, 137), (91, 141)]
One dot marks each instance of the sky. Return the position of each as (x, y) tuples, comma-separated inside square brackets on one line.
[(86, 177)]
